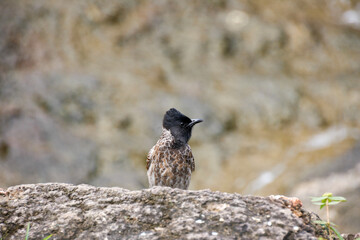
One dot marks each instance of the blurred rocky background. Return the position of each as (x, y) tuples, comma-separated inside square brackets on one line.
[(84, 86)]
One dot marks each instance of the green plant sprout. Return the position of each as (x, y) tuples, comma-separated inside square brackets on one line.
[(27, 234), (326, 200), (28, 230)]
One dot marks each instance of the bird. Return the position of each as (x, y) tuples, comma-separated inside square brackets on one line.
[(170, 161)]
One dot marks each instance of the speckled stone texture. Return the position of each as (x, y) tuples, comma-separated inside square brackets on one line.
[(87, 212)]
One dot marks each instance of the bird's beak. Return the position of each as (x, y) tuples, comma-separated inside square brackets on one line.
[(194, 121)]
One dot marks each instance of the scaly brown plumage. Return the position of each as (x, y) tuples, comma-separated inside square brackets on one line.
[(170, 161)]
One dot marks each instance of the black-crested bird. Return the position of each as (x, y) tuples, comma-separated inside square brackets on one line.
[(170, 161)]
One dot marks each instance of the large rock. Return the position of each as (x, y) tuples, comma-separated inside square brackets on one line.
[(87, 212)]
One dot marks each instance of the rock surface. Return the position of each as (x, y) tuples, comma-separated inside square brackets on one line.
[(87, 212)]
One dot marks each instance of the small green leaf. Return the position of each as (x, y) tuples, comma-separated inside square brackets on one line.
[(46, 238), (317, 199), (333, 203), (327, 194), (337, 233), (338, 198), (320, 222), (322, 206), (27, 232)]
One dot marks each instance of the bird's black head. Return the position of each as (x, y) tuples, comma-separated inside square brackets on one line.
[(179, 125)]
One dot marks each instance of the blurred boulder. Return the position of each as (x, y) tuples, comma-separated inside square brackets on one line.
[(35, 148)]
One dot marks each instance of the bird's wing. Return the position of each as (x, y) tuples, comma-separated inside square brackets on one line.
[(190, 158), (149, 157), (192, 163)]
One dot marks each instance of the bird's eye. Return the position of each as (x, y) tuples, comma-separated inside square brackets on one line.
[(182, 124)]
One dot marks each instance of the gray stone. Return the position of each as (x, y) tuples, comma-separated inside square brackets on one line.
[(87, 212)]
